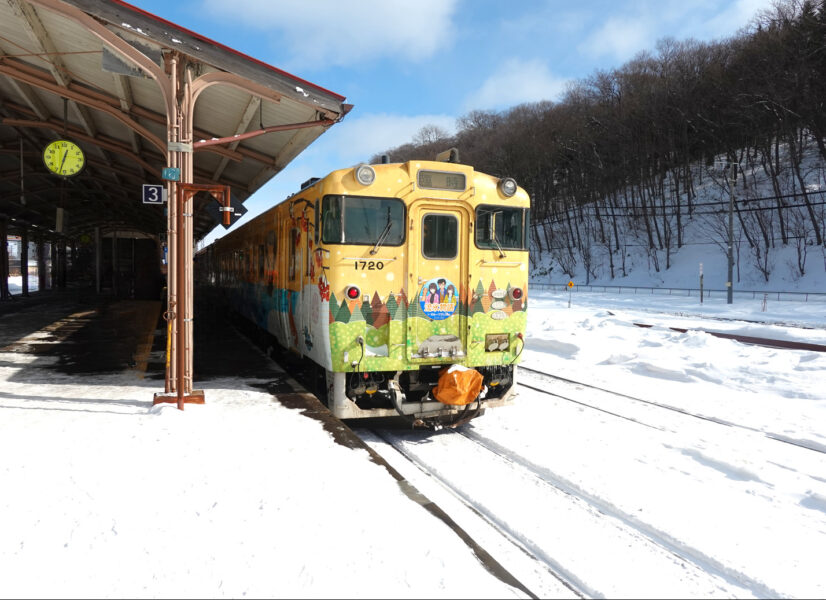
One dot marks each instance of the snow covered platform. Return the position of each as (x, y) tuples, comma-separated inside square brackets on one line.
[(258, 493)]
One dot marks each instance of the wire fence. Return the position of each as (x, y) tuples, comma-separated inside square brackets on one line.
[(666, 291)]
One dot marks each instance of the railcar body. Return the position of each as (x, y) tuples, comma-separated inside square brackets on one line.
[(381, 276)]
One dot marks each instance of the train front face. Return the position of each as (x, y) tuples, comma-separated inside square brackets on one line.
[(427, 267)]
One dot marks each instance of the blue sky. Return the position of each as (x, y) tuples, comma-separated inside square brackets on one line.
[(405, 65)]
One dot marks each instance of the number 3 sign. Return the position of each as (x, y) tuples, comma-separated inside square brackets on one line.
[(153, 194)]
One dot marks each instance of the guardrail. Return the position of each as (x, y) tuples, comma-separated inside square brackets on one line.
[(707, 293)]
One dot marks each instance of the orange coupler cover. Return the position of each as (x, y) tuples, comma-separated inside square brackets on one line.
[(458, 385)]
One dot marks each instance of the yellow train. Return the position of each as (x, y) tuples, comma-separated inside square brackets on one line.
[(403, 285)]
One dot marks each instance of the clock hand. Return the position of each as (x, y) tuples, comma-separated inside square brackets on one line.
[(63, 161)]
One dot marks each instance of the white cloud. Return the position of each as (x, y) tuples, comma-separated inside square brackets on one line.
[(514, 82), (619, 37), (734, 16), (356, 140), (330, 32)]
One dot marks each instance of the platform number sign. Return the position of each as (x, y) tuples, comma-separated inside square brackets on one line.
[(154, 194)]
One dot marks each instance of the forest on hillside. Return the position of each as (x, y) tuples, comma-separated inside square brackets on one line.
[(617, 160)]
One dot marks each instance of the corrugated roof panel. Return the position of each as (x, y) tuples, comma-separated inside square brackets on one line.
[(113, 176)]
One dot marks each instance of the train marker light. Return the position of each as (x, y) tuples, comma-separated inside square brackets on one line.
[(365, 174), (516, 293), (353, 292), (507, 186), (495, 342)]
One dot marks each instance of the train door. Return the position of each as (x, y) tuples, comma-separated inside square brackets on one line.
[(437, 271)]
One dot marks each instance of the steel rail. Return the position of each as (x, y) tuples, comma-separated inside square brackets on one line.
[(768, 434), (751, 340)]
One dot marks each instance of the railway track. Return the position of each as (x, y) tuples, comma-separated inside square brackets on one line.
[(564, 541), (751, 340), (594, 402)]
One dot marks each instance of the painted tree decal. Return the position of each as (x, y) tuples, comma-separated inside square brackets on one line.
[(392, 305), (343, 314), (488, 298), (381, 314), (333, 307), (357, 315), (463, 300), (413, 309), (476, 299), (367, 312)]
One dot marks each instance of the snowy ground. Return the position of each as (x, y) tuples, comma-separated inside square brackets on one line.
[(107, 496)]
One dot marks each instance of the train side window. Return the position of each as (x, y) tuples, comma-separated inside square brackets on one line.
[(331, 220), (440, 236)]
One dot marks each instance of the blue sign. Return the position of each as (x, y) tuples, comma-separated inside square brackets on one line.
[(153, 194), (171, 174), (438, 298)]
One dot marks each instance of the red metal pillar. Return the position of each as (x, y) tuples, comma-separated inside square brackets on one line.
[(183, 284)]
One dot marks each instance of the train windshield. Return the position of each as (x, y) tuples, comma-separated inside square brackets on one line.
[(500, 227), (362, 220)]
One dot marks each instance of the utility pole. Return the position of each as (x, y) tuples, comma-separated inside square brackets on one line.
[(729, 283)]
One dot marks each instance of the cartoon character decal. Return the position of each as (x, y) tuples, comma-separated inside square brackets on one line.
[(438, 298)]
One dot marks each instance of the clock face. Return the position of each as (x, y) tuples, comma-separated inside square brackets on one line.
[(64, 158)]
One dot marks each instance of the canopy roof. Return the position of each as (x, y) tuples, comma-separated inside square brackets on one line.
[(95, 71)]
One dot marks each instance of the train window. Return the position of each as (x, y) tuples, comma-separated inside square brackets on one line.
[(440, 236), (331, 219), (362, 220), (502, 227)]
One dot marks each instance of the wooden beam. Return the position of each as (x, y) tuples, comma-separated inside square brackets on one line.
[(124, 89), (99, 141), (13, 70), (37, 33), (246, 117)]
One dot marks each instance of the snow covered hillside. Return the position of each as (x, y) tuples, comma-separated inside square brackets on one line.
[(702, 229)]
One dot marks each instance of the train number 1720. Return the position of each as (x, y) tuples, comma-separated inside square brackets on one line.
[(369, 265)]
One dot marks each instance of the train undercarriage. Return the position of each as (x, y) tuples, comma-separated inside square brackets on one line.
[(408, 394)]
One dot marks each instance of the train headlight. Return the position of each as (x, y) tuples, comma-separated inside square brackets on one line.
[(365, 174), (516, 293), (352, 292), (507, 186)]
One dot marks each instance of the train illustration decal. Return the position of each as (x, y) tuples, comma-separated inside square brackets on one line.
[(438, 298)]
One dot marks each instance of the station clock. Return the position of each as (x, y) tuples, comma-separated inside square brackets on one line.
[(63, 157)]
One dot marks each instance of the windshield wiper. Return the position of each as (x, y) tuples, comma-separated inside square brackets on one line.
[(492, 232), (498, 247), (384, 233)]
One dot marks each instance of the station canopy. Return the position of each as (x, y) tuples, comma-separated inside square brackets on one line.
[(98, 73)]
